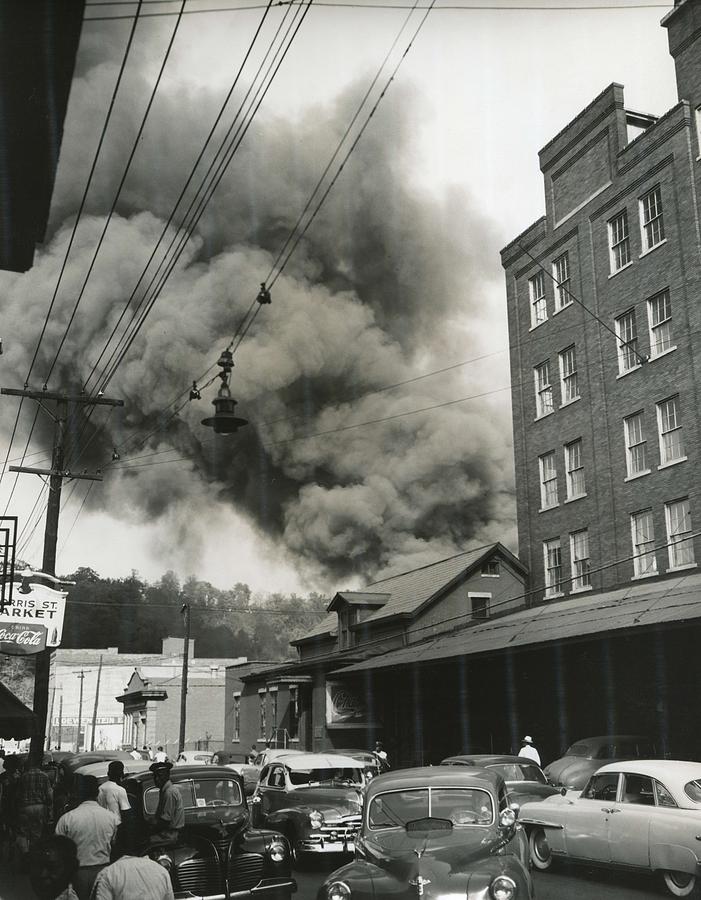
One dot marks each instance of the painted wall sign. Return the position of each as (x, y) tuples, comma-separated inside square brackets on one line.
[(345, 708), (19, 639)]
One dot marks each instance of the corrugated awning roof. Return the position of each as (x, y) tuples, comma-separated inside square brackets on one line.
[(642, 604)]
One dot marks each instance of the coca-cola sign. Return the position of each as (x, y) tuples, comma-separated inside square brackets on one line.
[(19, 640)]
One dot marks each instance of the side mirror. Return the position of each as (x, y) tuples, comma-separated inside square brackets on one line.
[(507, 818), (516, 807)]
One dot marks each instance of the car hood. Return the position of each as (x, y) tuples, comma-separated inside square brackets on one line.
[(525, 791), (573, 771), (445, 858), (229, 818), (344, 801)]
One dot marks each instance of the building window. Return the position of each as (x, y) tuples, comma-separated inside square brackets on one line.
[(670, 427), (543, 389), (548, 480), (643, 534), (574, 466), (681, 547), (552, 558), (636, 445), (659, 311), (579, 554), (619, 241), (237, 717), (651, 224), (561, 274), (479, 604), (490, 569), (293, 723), (262, 697), (273, 709), (536, 292), (568, 375), (627, 344)]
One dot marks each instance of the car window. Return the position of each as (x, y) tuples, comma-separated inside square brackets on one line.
[(602, 787), (200, 792), (519, 772), (276, 778), (462, 806), (693, 790), (341, 775), (578, 750), (637, 789), (664, 798), (607, 751), (626, 748)]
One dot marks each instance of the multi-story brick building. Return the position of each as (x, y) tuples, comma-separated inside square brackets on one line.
[(605, 336)]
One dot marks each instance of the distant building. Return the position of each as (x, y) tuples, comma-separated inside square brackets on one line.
[(117, 725)]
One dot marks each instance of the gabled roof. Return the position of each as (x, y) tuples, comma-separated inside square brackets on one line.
[(357, 598), (411, 591), (326, 628)]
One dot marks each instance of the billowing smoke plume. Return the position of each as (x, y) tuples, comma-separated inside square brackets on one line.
[(371, 297)]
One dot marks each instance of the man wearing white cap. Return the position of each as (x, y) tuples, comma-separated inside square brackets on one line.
[(528, 750)]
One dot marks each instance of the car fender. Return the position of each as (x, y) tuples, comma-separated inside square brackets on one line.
[(478, 882), (555, 831), (366, 881), (284, 820), (673, 857)]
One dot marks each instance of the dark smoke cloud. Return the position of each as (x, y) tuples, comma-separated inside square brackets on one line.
[(371, 297)]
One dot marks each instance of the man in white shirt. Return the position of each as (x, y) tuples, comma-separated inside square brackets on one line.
[(92, 829), (161, 756), (112, 795), (528, 750), (133, 877)]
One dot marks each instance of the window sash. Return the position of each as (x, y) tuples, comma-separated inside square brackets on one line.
[(619, 241), (681, 547), (548, 480), (660, 316), (643, 537), (627, 334), (575, 469), (671, 439), (568, 375), (552, 557), (651, 217), (561, 273), (579, 551), (536, 290), (636, 444), (544, 391)]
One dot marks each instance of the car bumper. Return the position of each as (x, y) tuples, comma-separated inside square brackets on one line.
[(272, 888)]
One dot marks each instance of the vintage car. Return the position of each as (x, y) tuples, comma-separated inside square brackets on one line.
[(218, 855), (237, 762), (582, 759), (436, 833), (193, 758), (314, 799), (524, 778), (642, 814), (372, 764)]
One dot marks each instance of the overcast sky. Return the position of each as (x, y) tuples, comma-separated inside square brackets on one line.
[(479, 93)]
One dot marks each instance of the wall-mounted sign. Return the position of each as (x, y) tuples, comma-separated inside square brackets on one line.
[(345, 707), (40, 610)]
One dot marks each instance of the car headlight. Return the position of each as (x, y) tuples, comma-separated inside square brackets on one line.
[(316, 819), (338, 890), (164, 860), (278, 851), (503, 888)]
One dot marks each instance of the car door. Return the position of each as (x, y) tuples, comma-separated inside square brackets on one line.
[(629, 824), (272, 790), (586, 822)]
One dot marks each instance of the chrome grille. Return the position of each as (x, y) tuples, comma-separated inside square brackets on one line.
[(347, 828), (201, 876), (245, 871)]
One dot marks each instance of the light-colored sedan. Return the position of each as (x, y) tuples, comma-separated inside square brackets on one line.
[(194, 758), (641, 814)]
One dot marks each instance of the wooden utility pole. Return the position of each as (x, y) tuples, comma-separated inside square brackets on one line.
[(55, 474), (60, 719), (183, 693), (81, 675), (97, 700)]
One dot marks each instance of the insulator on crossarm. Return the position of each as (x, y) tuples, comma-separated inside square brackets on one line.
[(263, 294), (195, 392)]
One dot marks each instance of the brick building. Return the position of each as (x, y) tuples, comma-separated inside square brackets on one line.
[(605, 336)]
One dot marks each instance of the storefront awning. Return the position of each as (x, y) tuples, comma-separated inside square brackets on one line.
[(16, 720), (643, 604)]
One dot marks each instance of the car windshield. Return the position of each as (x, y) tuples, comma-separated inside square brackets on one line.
[(302, 777), (579, 750), (463, 806), (519, 772), (199, 792)]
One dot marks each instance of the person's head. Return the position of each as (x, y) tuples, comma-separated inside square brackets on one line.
[(527, 741), (160, 748), (87, 788), (11, 764), (115, 771), (161, 772), (378, 746), (54, 862)]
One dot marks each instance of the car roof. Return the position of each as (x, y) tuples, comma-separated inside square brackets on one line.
[(436, 776), (99, 768), (181, 773), (607, 738), (488, 759), (304, 761), (678, 769)]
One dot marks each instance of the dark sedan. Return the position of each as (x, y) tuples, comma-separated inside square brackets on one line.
[(524, 779)]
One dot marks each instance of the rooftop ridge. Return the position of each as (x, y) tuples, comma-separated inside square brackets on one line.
[(430, 565)]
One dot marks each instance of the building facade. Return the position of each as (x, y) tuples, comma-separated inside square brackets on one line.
[(605, 337)]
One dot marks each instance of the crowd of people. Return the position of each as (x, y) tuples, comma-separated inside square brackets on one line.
[(77, 840)]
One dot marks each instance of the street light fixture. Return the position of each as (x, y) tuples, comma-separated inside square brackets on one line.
[(224, 420)]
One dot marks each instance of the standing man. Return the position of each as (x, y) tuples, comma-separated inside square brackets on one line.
[(382, 754), (111, 794), (161, 756), (528, 750), (33, 797), (169, 819), (131, 877), (92, 829)]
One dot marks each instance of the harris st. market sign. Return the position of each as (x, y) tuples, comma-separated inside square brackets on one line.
[(34, 620)]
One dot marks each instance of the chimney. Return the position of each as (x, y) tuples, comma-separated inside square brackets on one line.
[(683, 25)]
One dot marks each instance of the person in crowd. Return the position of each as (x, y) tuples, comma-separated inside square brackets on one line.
[(8, 805), (382, 753), (169, 819), (149, 751), (528, 749), (53, 864), (112, 795), (93, 830), (135, 754), (132, 877), (160, 756), (33, 798), (252, 754)]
